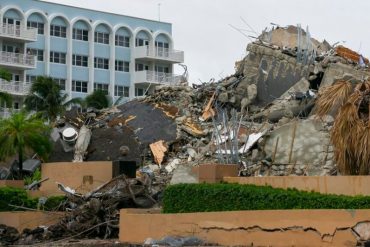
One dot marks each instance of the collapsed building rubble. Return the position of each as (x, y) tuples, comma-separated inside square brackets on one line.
[(274, 89), (271, 117), (93, 214)]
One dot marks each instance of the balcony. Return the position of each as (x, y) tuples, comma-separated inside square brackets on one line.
[(147, 77), (15, 87), (159, 54), (17, 60), (7, 112), (19, 32)]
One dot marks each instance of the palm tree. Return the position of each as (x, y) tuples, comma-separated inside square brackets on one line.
[(6, 75), (45, 96), (20, 133), (97, 99), (5, 98)]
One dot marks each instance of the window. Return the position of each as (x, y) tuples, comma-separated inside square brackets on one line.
[(162, 44), (122, 66), (16, 77), (122, 41), (102, 38), (57, 57), (79, 86), (121, 91), (38, 25), (162, 69), (8, 21), (36, 52), (101, 63), (161, 49), (30, 78), (11, 48), (60, 82), (80, 34), (102, 87), (58, 31), (139, 91), (141, 42), (79, 60), (141, 67)]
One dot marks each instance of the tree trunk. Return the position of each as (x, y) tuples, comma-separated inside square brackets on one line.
[(20, 162)]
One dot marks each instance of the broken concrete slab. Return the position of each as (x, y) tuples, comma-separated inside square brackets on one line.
[(336, 71), (184, 175), (273, 73), (301, 142)]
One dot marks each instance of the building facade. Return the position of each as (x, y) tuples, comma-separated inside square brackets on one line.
[(83, 50)]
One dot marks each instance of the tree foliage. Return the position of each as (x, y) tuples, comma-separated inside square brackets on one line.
[(97, 99), (46, 97), (5, 98), (5, 74), (20, 133)]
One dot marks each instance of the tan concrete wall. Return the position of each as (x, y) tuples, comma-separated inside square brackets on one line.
[(12, 183), (30, 219), (249, 228), (83, 177), (340, 185), (212, 173)]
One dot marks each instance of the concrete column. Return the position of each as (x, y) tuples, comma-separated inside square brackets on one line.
[(90, 86), (69, 62), (112, 60), (47, 47), (132, 67)]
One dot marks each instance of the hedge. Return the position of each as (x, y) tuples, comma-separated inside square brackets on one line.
[(186, 198), (19, 197)]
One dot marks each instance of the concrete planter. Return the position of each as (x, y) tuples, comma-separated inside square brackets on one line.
[(30, 219), (323, 227), (214, 173), (12, 183)]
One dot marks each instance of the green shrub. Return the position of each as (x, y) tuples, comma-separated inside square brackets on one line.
[(19, 197), (54, 202), (36, 176), (184, 198)]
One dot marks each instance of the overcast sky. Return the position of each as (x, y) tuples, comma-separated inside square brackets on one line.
[(201, 28)]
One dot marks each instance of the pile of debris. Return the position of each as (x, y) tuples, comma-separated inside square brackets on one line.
[(290, 99), (93, 214), (262, 117)]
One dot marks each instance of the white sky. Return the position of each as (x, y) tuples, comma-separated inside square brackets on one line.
[(201, 27)]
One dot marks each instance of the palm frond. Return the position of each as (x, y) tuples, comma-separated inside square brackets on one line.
[(332, 97)]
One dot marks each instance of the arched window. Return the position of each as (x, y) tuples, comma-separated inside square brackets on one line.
[(122, 37), (12, 17), (35, 20), (80, 31), (58, 27), (142, 38), (101, 34)]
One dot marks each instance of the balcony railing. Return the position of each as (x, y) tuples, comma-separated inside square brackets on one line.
[(17, 60), (19, 32), (160, 53), (148, 76), (15, 87), (7, 112)]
